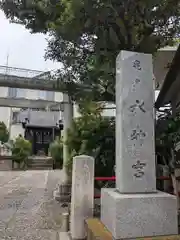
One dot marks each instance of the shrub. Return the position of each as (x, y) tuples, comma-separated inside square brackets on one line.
[(56, 152), (93, 135), (4, 134), (21, 150)]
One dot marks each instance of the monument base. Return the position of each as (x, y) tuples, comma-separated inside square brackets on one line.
[(138, 215)]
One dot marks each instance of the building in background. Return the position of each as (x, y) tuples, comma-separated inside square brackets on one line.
[(37, 125)]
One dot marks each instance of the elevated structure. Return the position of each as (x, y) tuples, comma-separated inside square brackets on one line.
[(29, 79), (29, 83), (32, 79)]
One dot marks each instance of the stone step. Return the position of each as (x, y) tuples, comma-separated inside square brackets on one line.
[(40, 164), (40, 168), (43, 161)]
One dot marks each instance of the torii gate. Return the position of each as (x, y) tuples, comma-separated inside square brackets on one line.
[(38, 82)]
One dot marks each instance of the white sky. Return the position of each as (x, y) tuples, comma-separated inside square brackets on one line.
[(25, 50)]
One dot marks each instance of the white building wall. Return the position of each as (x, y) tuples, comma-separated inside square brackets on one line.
[(4, 111), (31, 94), (15, 130), (5, 115), (58, 97)]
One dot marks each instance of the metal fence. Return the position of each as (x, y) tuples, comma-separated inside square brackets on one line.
[(20, 72)]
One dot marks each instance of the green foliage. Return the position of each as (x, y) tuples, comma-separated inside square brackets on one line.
[(56, 152), (94, 135), (4, 134), (21, 150), (87, 35), (167, 135)]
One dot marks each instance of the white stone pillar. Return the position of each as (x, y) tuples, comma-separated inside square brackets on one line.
[(135, 152), (82, 195), (67, 121), (135, 209)]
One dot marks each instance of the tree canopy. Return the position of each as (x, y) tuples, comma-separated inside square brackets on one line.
[(87, 35)]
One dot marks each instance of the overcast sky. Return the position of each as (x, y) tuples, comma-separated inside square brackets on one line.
[(25, 50)]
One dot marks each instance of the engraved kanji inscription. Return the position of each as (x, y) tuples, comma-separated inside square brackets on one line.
[(138, 135), (135, 83), (133, 151), (87, 176), (138, 105), (137, 65), (139, 168), (137, 80)]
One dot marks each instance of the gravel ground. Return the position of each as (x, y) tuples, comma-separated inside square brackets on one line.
[(27, 208)]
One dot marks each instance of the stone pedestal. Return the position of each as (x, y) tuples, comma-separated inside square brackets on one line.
[(138, 215), (62, 193), (135, 208)]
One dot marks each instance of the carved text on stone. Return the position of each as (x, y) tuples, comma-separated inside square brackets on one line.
[(139, 168)]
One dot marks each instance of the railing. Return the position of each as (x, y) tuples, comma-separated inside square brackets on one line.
[(113, 178), (21, 72)]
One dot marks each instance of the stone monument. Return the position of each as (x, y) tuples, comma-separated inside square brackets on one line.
[(82, 195), (135, 208)]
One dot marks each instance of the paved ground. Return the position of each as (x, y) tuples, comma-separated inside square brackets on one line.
[(27, 208)]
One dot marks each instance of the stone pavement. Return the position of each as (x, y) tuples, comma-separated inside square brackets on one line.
[(27, 208)]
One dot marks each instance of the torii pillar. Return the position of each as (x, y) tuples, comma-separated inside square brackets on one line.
[(67, 122)]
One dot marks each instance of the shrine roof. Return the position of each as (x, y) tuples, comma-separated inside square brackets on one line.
[(171, 86)]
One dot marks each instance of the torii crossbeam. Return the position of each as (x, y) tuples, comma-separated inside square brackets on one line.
[(30, 103)]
